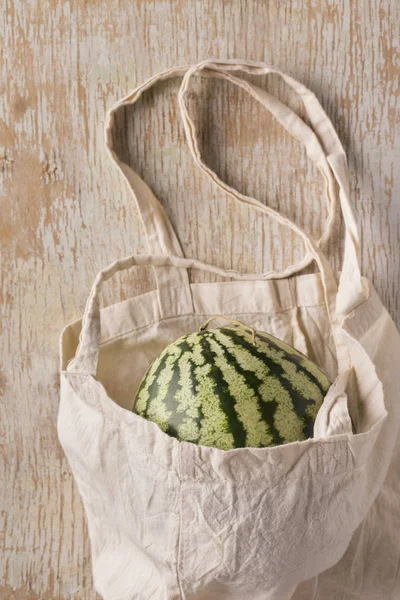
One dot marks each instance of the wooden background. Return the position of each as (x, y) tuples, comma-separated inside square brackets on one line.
[(66, 211)]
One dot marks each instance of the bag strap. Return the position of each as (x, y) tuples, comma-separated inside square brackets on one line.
[(86, 356), (339, 302), (172, 283), (161, 238), (323, 147)]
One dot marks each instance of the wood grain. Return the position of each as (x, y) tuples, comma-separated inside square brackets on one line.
[(66, 212)]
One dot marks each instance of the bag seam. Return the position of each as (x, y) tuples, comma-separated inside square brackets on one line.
[(190, 314)]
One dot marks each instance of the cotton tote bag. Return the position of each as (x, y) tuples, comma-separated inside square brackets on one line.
[(168, 520)]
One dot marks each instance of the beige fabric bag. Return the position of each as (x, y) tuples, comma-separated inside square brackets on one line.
[(169, 520)]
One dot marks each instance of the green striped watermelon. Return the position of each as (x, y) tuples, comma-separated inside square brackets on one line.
[(232, 387)]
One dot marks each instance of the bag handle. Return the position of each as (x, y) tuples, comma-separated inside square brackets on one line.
[(352, 291), (86, 356), (160, 235), (326, 150), (171, 282)]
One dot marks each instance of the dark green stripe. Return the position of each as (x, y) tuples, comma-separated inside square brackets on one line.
[(296, 359), (154, 386), (200, 418), (178, 417), (299, 402), (188, 347), (171, 403), (267, 409), (227, 401), (169, 395), (184, 345)]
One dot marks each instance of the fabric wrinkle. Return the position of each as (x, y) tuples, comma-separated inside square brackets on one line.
[(316, 519)]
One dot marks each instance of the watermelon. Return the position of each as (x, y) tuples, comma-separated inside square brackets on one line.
[(232, 387)]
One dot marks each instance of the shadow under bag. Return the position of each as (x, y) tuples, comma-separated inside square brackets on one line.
[(317, 519)]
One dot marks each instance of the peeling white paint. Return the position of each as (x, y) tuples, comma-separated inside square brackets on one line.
[(66, 211)]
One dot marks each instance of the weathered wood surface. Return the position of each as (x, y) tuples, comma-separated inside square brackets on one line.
[(66, 211)]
